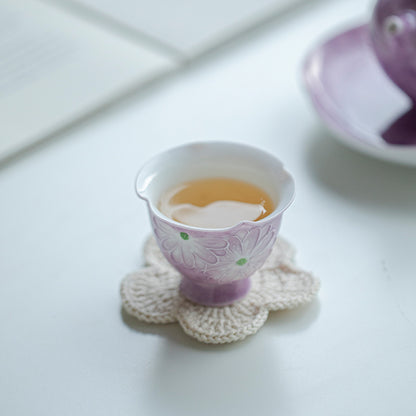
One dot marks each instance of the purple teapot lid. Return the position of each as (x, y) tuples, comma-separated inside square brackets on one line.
[(393, 35)]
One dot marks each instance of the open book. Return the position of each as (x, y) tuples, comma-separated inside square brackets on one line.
[(61, 60)]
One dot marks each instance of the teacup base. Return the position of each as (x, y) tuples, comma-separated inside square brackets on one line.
[(214, 294)]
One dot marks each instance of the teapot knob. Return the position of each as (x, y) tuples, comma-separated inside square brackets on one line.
[(393, 37)]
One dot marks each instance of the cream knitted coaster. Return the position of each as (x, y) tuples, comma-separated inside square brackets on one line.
[(152, 295)]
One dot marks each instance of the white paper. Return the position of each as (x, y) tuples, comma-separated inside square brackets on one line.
[(56, 67)]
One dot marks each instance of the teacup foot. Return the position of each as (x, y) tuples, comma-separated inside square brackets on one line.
[(214, 294)]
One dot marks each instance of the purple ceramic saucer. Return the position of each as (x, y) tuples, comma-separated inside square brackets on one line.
[(357, 101)]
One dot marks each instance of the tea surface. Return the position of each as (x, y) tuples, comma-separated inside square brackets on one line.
[(216, 202)]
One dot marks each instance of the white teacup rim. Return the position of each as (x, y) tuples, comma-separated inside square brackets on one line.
[(279, 209)]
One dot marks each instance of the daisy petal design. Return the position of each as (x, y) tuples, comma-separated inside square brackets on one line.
[(151, 295), (183, 248), (247, 250), (221, 325)]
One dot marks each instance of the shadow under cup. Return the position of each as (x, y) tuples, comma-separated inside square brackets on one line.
[(215, 264)]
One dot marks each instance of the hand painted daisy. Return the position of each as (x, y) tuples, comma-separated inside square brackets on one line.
[(185, 250), (245, 253)]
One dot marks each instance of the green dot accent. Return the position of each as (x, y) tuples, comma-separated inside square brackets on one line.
[(241, 262), (184, 236)]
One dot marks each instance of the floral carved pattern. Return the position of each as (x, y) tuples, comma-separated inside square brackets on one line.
[(226, 256)]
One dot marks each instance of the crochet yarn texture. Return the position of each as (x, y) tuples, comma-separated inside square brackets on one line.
[(152, 295)]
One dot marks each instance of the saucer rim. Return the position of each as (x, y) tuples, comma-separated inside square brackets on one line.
[(333, 120)]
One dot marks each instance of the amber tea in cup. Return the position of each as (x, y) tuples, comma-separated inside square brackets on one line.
[(216, 202)]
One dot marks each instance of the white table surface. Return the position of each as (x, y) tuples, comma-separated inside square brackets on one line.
[(72, 227)]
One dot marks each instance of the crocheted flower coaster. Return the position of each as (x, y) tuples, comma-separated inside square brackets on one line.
[(152, 295)]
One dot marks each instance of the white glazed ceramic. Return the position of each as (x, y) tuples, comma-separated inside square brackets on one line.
[(215, 263)]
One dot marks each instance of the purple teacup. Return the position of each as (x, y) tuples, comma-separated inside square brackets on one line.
[(215, 263)]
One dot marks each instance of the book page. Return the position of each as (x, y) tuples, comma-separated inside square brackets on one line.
[(55, 68)]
